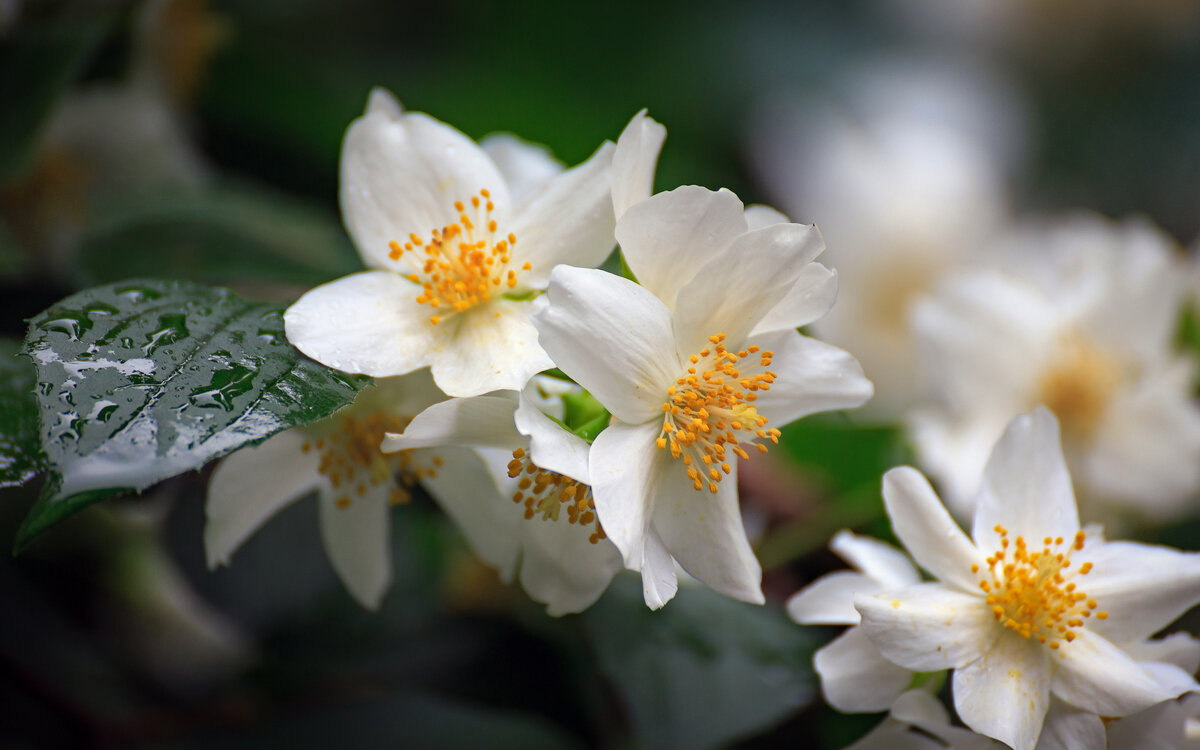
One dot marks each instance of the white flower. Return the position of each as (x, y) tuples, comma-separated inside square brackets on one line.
[(855, 677), (1033, 605), (458, 253), (634, 164), (695, 365), (1162, 726), (534, 510), (901, 199), (1082, 323), (339, 458), (917, 721)]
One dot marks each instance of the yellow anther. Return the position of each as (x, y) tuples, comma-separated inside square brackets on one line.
[(547, 493), (1030, 594), (457, 267)]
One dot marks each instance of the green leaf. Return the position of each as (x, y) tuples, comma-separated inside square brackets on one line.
[(143, 380), (21, 456), (702, 671), (39, 64), (219, 235)]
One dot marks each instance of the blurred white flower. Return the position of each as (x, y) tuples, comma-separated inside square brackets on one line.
[(903, 195), (457, 255), (355, 483), (855, 677), (1033, 605), (917, 721), (1081, 323), (694, 365), (531, 507)]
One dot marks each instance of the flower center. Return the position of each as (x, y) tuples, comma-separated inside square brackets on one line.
[(1078, 387), (710, 410), (1030, 592), (461, 264), (546, 492), (352, 461)]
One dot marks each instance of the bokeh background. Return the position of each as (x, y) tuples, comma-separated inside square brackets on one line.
[(200, 140)]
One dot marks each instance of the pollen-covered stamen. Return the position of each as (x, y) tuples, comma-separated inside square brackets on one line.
[(547, 493), (709, 412), (464, 264), (352, 462), (1033, 593)]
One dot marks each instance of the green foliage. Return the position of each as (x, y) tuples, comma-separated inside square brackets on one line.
[(143, 380), (230, 232), (702, 671), (21, 455)]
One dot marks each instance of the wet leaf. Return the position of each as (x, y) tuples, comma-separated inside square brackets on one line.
[(142, 380), (219, 235), (702, 671), (21, 456)]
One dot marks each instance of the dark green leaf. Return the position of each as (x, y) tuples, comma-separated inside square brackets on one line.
[(21, 454), (842, 455), (143, 380), (219, 235), (39, 64), (702, 671)]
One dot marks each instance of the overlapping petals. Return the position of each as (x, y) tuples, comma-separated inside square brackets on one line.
[(459, 253), (1034, 606), (706, 281)]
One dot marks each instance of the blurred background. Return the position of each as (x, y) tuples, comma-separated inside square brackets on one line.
[(200, 140)]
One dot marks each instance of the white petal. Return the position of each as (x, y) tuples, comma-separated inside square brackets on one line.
[(367, 323), (732, 292), (659, 582), (928, 626), (813, 377), (1180, 649), (667, 238), (703, 531), (252, 485), (879, 561), (920, 708), (358, 542), (927, 531), (383, 102), (483, 421), (1168, 726), (466, 491), (561, 568), (488, 348), (1093, 674), (551, 446), (807, 301), (635, 161), (525, 166), (1026, 487), (623, 468), (829, 600), (1005, 694), (1068, 728), (612, 337), (1142, 587), (402, 173), (401, 395), (855, 677), (759, 216), (568, 220)]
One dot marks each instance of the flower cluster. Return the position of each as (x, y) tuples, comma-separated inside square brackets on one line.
[(574, 421), (482, 263)]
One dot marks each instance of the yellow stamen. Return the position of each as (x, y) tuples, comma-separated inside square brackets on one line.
[(546, 493), (462, 265)]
